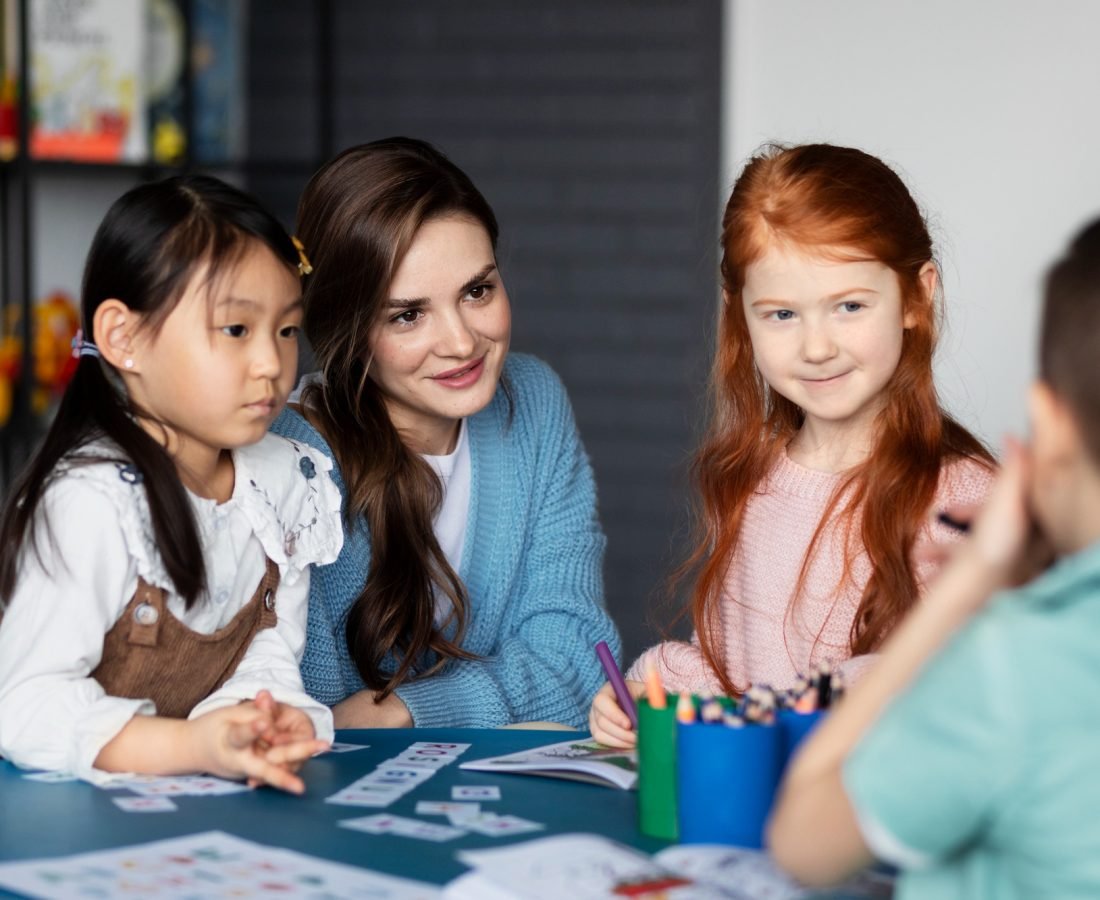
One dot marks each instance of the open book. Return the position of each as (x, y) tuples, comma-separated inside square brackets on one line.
[(591, 867), (581, 760)]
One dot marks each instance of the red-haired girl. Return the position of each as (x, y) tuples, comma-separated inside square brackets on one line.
[(827, 447)]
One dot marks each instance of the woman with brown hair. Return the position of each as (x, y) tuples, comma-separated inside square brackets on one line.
[(469, 591)]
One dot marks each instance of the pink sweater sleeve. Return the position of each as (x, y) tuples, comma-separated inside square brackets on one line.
[(963, 483), (680, 665)]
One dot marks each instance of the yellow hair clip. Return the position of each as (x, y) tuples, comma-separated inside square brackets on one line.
[(304, 265)]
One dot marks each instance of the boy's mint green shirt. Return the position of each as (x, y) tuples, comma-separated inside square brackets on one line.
[(983, 779)]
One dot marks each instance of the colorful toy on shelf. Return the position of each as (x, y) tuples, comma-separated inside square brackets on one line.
[(55, 323), (11, 359)]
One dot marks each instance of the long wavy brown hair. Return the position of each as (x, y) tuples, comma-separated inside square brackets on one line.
[(357, 218), (844, 203)]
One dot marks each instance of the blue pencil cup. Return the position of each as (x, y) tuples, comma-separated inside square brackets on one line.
[(726, 781), (795, 726)]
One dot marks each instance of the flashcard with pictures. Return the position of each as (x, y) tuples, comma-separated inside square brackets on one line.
[(341, 747), (144, 804), (433, 763), (403, 827), (209, 786), (161, 787), (446, 808), (393, 774), (452, 749), (475, 792), (49, 777), (362, 793), (493, 825), (203, 865)]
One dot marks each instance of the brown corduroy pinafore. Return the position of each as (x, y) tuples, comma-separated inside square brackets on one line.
[(149, 653)]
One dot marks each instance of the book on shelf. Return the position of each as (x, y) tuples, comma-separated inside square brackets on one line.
[(87, 64), (579, 760), (218, 56)]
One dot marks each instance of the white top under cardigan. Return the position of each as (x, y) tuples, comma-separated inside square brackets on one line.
[(53, 715), (455, 472)]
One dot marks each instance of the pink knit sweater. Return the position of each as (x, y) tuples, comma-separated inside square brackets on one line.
[(767, 639)]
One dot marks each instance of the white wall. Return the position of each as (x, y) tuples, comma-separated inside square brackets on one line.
[(990, 111)]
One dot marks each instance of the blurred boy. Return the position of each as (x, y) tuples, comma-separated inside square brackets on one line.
[(970, 755)]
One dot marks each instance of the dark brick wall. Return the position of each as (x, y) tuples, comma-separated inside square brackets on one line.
[(593, 130)]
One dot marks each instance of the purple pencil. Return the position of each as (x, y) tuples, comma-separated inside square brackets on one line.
[(622, 692)]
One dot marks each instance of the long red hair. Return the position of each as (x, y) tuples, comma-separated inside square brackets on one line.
[(836, 200)]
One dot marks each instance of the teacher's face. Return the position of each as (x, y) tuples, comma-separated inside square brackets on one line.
[(439, 346)]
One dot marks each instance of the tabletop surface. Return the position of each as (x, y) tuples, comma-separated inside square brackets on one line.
[(58, 819)]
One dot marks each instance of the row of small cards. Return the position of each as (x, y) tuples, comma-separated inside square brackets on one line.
[(463, 821), (395, 777)]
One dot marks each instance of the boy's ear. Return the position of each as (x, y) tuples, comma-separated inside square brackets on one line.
[(1055, 435), (929, 278), (115, 327)]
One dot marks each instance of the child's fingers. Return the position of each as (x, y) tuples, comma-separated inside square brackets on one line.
[(245, 732), (264, 700), (607, 706), (258, 768), (607, 732), (298, 752)]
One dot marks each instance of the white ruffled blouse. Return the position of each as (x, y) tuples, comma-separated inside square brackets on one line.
[(99, 539)]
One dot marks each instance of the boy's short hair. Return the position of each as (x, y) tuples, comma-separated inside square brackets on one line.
[(1069, 344)]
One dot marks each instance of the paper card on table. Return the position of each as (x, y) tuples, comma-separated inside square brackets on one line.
[(49, 777), (209, 786), (399, 772), (378, 824), (475, 792), (493, 825), (161, 787), (363, 794), (577, 866), (413, 828), (453, 749), (434, 763), (189, 866), (446, 808), (341, 747), (144, 804)]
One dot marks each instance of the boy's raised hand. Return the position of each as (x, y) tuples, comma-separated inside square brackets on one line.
[(607, 721), (1005, 535)]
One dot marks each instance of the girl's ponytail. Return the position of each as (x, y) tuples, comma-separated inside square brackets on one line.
[(93, 408)]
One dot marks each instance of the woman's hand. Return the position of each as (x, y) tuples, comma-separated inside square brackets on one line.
[(607, 721), (262, 741), (361, 711)]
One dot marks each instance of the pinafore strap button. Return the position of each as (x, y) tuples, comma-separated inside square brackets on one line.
[(145, 614)]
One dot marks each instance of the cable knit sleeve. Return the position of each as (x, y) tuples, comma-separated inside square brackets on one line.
[(963, 483), (680, 665), (535, 576)]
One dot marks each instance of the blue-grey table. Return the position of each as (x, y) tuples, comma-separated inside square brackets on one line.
[(59, 819)]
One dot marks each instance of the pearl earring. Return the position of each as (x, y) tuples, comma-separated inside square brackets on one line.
[(128, 363)]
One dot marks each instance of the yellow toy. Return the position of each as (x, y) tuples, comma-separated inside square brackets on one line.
[(55, 323)]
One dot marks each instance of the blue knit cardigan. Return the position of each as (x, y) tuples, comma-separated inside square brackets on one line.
[(532, 564)]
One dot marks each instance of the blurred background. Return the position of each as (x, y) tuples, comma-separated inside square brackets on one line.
[(606, 135)]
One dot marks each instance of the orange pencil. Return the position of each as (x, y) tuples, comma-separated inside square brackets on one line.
[(655, 693), (685, 709)]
